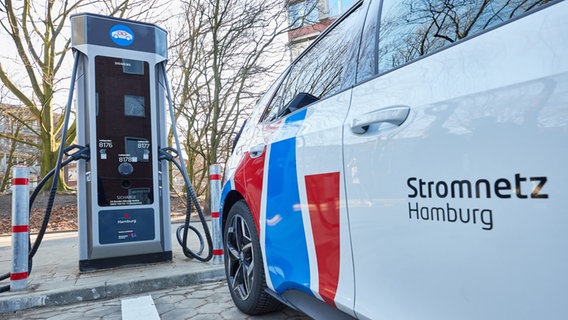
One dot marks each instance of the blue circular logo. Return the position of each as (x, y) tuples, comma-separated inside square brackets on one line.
[(121, 35)]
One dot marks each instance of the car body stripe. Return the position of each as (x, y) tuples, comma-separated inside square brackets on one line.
[(248, 182), (322, 192), (228, 187), (285, 240)]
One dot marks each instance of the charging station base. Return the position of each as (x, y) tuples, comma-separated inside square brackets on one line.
[(107, 263)]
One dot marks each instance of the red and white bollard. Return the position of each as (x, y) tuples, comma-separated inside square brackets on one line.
[(216, 233), (20, 232)]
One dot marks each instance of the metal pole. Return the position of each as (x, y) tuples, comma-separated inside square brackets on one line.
[(20, 232), (215, 190)]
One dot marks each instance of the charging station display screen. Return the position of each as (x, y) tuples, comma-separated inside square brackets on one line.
[(124, 132)]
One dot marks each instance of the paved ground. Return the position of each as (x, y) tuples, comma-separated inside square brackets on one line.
[(56, 280), (208, 301), (180, 289)]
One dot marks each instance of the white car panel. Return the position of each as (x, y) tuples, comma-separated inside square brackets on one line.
[(319, 151), (493, 108)]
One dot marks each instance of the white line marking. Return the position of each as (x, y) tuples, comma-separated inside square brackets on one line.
[(141, 308)]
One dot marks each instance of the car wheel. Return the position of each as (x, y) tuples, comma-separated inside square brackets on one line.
[(243, 263)]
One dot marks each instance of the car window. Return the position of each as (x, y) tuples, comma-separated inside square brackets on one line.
[(271, 109), (320, 71), (366, 61), (412, 29)]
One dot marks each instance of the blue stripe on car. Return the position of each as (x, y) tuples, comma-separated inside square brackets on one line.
[(285, 238)]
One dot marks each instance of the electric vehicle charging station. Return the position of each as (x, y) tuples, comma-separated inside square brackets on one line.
[(123, 190)]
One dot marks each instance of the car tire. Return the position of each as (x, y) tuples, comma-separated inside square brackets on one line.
[(244, 266)]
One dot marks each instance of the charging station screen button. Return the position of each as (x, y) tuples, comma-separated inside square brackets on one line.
[(125, 169)]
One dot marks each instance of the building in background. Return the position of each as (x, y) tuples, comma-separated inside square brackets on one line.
[(309, 18)]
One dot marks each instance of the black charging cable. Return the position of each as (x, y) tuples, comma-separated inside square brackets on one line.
[(182, 230), (81, 153), (189, 187)]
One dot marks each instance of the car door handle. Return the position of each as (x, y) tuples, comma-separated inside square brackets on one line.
[(256, 151), (395, 115)]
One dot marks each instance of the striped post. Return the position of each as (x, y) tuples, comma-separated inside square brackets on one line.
[(215, 187), (20, 233)]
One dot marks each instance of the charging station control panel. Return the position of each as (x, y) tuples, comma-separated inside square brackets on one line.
[(123, 190), (124, 165)]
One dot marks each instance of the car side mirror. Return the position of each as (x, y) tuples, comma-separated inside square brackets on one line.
[(301, 100)]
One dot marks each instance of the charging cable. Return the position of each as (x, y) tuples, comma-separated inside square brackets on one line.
[(182, 230), (81, 153)]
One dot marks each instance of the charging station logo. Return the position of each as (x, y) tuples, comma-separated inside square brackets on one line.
[(121, 35)]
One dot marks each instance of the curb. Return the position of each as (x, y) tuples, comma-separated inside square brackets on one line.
[(63, 297)]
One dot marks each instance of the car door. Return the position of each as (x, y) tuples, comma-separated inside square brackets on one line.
[(455, 162), (303, 214)]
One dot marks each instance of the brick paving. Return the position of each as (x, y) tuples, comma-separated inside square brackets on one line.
[(207, 301)]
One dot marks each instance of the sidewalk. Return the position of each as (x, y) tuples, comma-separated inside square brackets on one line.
[(56, 280)]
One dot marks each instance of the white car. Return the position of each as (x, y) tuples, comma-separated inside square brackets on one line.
[(412, 163)]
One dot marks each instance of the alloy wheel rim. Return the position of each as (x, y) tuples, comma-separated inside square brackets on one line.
[(240, 254)]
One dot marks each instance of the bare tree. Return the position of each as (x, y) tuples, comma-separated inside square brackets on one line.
[(37, 34), (224, 56), (14, 150)]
